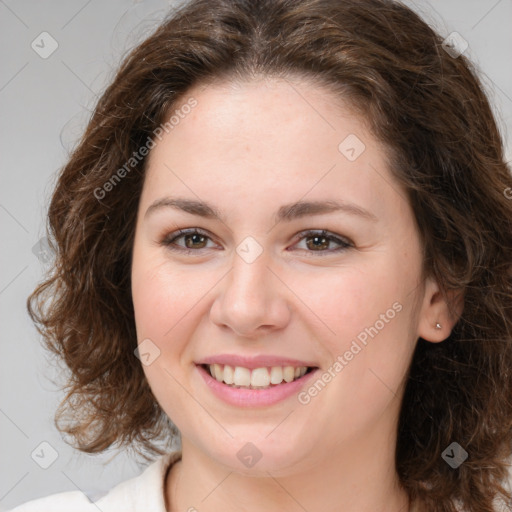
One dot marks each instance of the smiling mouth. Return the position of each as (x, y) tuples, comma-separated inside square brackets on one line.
[(257, 378)]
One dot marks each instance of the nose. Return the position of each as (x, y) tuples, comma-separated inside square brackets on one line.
[(252, 300)]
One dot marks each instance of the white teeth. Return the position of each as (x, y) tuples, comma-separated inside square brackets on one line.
[(289, 373), (239, 376), (242, 376), (217, 372), (276, 375), (229, 374), (260, 377)]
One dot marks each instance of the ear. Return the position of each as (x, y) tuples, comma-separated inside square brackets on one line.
[(439, 310)]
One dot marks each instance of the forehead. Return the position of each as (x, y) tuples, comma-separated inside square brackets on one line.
[(256, 111), (269, 139)]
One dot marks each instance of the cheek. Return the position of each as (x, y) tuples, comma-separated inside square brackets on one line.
[(366, 314), (161, 295), (348, 300), (163, 300), (169, 304)]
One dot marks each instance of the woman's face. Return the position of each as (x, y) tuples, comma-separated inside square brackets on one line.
[(252, 290)]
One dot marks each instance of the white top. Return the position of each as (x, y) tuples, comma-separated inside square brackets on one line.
[(143, 493)]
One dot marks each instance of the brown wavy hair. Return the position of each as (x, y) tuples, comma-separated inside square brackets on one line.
[(430, 111)]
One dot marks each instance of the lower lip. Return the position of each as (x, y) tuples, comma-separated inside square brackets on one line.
[(241, 397)]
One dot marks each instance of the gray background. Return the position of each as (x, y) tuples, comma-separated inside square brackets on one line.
[(44, 105)]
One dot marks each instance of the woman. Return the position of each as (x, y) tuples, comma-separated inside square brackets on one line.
[(285, 238)]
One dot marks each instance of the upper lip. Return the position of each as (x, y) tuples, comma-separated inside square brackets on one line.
[(260, 361)]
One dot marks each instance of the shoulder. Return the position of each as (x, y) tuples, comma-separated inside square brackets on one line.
[(72, 500), (141, 493)]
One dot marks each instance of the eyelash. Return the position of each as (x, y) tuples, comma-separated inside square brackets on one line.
[(169, 240)]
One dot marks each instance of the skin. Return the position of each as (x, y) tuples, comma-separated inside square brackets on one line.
[(248, 148)]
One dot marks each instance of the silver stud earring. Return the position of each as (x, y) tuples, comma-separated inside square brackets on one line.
[(438, 326)]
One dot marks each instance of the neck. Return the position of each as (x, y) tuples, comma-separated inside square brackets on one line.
[(357, 477)]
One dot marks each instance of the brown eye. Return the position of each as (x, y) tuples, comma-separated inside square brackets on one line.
[(320, 240), (317, 242), (194, 240)]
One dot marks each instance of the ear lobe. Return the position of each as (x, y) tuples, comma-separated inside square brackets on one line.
[(439, 312)]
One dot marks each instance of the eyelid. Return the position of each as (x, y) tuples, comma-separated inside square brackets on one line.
[(343, 242), (171, 237)]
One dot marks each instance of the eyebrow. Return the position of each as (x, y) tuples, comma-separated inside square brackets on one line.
[(287, 212)]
